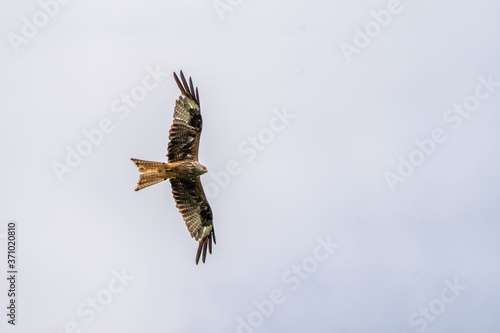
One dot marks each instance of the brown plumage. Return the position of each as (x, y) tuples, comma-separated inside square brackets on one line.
[(183, 169)]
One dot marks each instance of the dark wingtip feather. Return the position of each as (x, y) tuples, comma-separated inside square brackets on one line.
[(184, 83), (191, 89), (198, 253), (181, 88), (205, 245), (186, 89), (186, 86)]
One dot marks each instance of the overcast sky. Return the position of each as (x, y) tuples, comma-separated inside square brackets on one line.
[(352, 155)]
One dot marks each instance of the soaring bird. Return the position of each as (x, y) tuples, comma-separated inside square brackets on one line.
[(183, 169)]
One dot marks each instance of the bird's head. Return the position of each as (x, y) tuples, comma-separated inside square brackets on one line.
[(201, 169)]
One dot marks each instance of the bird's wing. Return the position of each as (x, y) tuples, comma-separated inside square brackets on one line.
[(185, 132), (196, 212)]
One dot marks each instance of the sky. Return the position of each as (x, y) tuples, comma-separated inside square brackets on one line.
[(352, 156)]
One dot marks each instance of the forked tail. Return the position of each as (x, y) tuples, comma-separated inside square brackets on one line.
[(151, 173)]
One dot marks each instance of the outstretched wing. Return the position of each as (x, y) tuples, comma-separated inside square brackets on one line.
[(196, 212), (185, 132)]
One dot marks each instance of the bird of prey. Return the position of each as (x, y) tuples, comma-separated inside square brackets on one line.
[(183, 169)]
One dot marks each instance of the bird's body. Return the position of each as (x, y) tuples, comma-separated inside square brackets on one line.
[(155, 172), (183, 169)]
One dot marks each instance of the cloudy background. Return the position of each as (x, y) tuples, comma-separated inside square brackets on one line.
[(300, 139)]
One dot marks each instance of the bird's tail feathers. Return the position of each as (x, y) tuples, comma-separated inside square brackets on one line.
[(151, 173)]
